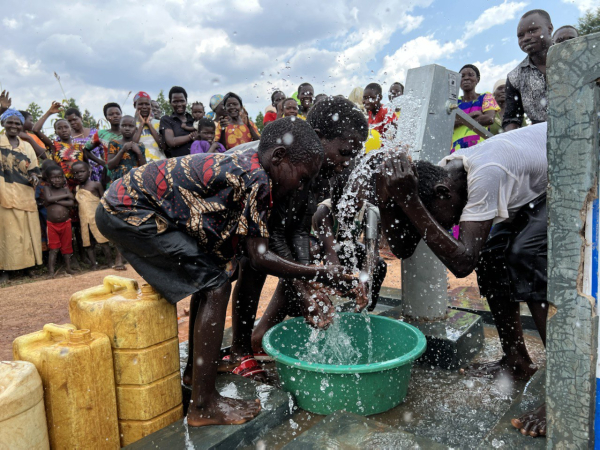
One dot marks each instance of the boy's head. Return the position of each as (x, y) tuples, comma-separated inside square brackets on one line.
[(53, 174), (276, 98), (28, 123), (128, 127), (319, 98), (372, 97), (396, 90), (156, 109), (443, 190), (305, 95), (565, 33), (178, 99), (62, 129), (197, 110), (80, 171), (206, 129), (534, 32), (143, 103), (290, 107), (112, 112), (291, 153), (342, 129)]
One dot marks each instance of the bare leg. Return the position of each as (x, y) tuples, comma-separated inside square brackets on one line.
[(52, 254), (187, 373), (119, 265), (276, 312), (106, 251), (516, 362), (67, 259), (92, 257), (246, 296), (207, 406), (539, 312)]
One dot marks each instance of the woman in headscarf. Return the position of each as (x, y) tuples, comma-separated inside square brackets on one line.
[(236, 127), (20, 234), (217, 108), (481, 107)]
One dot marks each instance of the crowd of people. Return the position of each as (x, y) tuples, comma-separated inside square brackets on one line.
[(195, 200)]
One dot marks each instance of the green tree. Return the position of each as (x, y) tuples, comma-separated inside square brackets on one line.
[(259, 121), (35, 111), (88, 120), (589, 23), (164, 104)]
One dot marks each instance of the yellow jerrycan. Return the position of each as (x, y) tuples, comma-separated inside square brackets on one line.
[(22, 415), (79, 387), (142, 327)]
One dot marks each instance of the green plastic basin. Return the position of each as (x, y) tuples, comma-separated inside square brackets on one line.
[(364, 388)]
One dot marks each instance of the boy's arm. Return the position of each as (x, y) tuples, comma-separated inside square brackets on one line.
[(99, 188), (115, 158), (138, 131), (91, 157), (459, 256), (323, 225), (513, 112), (54, 196), (66, 203), (40, 152)]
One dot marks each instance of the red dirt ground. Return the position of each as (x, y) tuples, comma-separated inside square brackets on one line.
[(25, 308)]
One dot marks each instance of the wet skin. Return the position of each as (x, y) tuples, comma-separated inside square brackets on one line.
[(278, 97)]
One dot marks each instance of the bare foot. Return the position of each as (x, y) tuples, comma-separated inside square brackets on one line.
[(119, 267), (223, 411), (95, 267), (517, 370), (532, 423)]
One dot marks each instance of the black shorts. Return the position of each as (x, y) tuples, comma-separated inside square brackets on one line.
[(170, 261), (513, 263)]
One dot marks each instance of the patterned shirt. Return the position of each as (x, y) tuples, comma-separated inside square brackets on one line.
[(525, 94), (235, 134), (129, 160), (65, 155), (213, 197), (16, 166), (153, 151), (464, 137), (381, 121)]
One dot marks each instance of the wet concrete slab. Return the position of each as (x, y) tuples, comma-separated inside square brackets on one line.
[(276, 408), (452, 342), (351, 432), (504, 435)]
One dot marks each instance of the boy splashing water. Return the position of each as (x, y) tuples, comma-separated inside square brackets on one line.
[(178, 223)]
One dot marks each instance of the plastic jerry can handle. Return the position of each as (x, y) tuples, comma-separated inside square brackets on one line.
[(68, 332), (112, 283)]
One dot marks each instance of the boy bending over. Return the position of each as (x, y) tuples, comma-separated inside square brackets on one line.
[(178, 223)]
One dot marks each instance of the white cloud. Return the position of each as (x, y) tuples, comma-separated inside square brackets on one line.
[(583, 5), (11, 23), (490, 73), (496, 15)]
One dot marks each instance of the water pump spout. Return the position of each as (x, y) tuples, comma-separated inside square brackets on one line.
[(372, 219)]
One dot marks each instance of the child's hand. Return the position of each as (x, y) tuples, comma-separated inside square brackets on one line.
[(34, 180), (135, 148), (55, 108), (224, 122)]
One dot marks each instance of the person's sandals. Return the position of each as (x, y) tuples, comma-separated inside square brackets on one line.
[(249, 367)]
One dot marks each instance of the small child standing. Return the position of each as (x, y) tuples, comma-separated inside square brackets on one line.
[(125, 154), (58, 201), (206, 138), (88, 197), (197, 113)]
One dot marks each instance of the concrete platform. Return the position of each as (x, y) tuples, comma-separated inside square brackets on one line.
[(351, 432), (451, 343), (277, 406)]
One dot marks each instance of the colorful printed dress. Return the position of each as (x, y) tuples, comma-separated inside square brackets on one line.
[(128, 160), (96, 169), (463, 137), (65, 155), (102, 137), (235, 134)]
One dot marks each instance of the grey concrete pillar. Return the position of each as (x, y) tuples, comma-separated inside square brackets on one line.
[(573, 105), (433, 88)]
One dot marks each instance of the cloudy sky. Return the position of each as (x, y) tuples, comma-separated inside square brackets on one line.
[(103, 50)]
